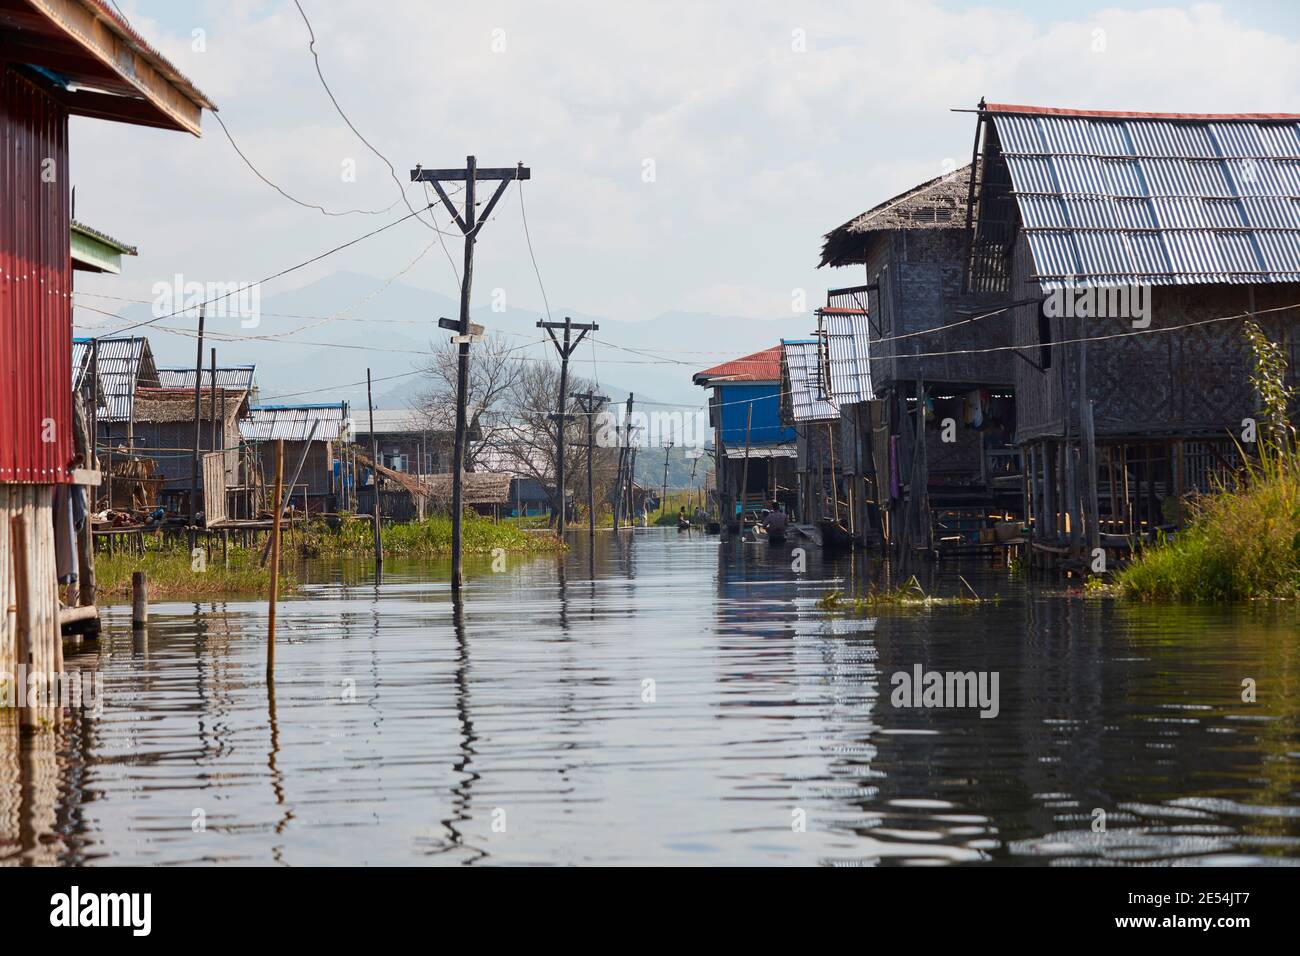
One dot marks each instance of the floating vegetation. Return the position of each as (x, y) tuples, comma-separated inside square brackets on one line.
[(909, 594)]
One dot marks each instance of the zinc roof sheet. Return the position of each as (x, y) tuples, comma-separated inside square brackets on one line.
[(230, 377), (801, 368), (294, 422), (1161, 199), (847, 339)]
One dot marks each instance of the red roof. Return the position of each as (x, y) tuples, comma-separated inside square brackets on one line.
[(1130, 114), (764, 366)]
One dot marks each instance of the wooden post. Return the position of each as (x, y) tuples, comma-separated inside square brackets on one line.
[(744, 471), (139, 599), (275, 561), (198, 436), (23, 611), (212, 407), (374, 470)]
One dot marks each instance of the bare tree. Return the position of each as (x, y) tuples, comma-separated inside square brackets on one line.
[(526, 443), (494, 370)]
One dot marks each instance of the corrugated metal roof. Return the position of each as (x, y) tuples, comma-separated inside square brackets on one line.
[(231, 377), (764, 366), (803, 401), (124, 364), (848, 345), (404, 421), (1159, 199), (294, 422)]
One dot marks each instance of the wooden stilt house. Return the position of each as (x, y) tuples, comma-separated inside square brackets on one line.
[(1133, 247), (61, 58), (934, 458)]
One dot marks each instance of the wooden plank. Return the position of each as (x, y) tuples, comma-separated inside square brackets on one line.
[(91, 478), (103, 40)]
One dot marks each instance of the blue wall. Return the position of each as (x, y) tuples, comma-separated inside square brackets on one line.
[(766, 429)]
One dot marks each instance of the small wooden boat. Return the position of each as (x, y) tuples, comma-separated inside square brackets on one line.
[(835, 537)]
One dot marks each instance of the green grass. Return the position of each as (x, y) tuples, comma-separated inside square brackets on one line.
[(173, 573), (428, 538), (1241, 544)]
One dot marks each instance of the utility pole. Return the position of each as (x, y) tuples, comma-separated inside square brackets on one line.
[(198, 438), (374, 471), (212, 402), (590, 402), (663, 506), (566, 349), (624, 450), (470, 223)]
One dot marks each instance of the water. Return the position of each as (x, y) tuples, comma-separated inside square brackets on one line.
[(526, 730)]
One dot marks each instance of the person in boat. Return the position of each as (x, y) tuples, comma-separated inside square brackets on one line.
[(682, 520), (775, 523)]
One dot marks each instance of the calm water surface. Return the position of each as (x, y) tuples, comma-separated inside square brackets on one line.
[(666, 699)]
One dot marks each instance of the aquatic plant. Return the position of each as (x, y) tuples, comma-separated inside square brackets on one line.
[(909, 594)]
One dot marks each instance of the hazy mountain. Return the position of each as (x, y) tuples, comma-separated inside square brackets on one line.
[(390, 332)]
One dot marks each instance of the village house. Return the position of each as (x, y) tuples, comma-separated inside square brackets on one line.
[(316, 435), (1128, 402), (412, 441), (756, 451), (929, 374), (824, 382), (75, 57), (164, 431)]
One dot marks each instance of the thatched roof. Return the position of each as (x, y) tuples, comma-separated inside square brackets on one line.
[(939, 203), (177, 404), (478, 488)]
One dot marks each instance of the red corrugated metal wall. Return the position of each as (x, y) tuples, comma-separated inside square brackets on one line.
[(35, 286)]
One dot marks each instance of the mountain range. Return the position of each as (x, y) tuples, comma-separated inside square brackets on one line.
[(392, 329)]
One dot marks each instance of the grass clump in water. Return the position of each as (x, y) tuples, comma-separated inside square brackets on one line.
[(428, 538), (174, 573), (910, 594), (1243, 540)]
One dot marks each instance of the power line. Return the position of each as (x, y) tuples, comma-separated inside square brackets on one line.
[(271, 278), (523, 213), (308, 205), (311, 46)]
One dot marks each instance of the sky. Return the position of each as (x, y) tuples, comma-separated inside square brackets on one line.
[(685, 157)]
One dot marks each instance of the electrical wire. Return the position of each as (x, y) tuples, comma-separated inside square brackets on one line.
[(294, 199), (271, 278)]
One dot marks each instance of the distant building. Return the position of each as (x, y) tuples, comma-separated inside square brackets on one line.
[(318, 430), (756, 451), (412, 441)]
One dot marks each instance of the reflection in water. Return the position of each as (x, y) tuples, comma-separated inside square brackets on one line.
[(664, 698)]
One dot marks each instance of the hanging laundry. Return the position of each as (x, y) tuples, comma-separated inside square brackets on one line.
[(65, 535)]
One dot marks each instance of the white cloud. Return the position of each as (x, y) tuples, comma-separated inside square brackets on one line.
[(759, 150)]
